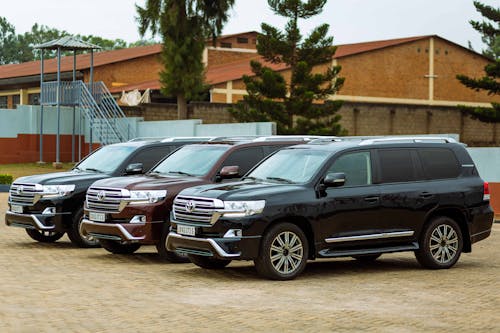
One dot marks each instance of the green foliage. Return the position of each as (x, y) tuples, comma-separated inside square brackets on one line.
[(7, 42), (5, 179), (491, 81), (184, 26), (294, 106)]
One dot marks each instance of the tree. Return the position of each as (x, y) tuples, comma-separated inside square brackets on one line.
[(490, 33), (299, 106), (7, 42), (184, 26)]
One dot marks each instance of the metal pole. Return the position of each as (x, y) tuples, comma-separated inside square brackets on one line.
[(58, 102), (41, 106), (74, 101), (91, 93)]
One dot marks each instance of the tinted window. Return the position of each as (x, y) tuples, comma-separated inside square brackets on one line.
[(396, 165), (245, 158), (356, 166), (106, 159), (150, 156), (439, 163)]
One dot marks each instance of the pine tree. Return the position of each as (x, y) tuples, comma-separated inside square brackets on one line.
[(490, 32), (299, 106), (184, 26)]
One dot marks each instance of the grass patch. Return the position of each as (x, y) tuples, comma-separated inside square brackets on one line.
[(27, 169)]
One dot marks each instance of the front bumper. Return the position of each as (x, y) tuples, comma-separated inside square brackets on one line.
[(244, 248), (42, 222), (144, 233)]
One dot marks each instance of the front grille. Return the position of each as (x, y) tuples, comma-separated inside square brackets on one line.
[(196, 210), (24, 193), (109, 200)]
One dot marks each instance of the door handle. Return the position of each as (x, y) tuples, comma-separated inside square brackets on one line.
[(426, 195), (371, 199)]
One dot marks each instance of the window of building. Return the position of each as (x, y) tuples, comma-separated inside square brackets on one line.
[(439, 163), (34, 99), (226, 45), (16, 100), (242, 40), (3, 102), (396, 165)]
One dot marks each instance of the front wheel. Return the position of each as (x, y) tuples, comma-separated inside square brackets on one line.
[(44, 236), (440, 244), (283, 253), (164, 254), (76, 235), (119, 248), (208, 262)]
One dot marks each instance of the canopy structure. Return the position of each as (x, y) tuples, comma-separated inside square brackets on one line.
[(66, 43)]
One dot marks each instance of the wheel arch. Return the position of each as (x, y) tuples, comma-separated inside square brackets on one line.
[(457, 215), (304, 224)]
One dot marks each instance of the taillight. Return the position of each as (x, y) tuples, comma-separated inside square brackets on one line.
[(486, 191)]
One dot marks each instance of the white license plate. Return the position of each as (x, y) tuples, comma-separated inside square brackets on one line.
[(186, 230), (16, 208), (97, 217)]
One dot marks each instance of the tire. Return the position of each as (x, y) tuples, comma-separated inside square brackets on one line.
[(440, 244), (367, 257), (164, 254), (208, 262), (44, 236), (283, 253), (75, 232), (119, 248)]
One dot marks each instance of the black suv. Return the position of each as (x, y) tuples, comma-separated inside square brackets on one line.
[(337, 199), (51, 204)]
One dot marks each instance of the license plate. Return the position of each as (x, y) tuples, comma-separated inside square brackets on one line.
[(16, 208), (97, 217), (186, 230)]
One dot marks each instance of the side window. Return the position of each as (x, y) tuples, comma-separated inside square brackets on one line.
[(439, 163), (356, 166), (150, 156), (396, 165), (245, 158)]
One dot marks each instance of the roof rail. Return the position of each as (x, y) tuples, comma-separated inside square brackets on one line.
[(188, 138), (147, 138), (408, 139), (288, 138)]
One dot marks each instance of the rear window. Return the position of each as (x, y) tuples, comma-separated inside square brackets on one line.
[(439, 163), (396, 165)]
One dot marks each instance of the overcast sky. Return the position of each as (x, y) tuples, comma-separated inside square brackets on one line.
[(350, 20)]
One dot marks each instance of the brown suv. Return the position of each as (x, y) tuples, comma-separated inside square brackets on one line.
[(124, 213)]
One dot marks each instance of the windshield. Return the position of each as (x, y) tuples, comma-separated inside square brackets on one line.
[(106, 159), (290, 166), (193, 160)]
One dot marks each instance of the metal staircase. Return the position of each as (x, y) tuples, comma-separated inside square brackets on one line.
[(107, 120)]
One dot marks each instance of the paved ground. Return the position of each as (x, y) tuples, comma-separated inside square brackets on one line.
[(59, 288)]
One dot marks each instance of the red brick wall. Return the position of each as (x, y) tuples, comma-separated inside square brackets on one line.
[(495, 199)]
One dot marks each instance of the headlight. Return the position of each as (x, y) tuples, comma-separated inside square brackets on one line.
[(54, 191), (145, 197), (243, 208)]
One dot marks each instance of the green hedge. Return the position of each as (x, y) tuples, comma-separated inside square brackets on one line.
[(5, 179)]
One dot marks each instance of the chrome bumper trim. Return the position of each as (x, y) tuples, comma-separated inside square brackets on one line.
[(370, 236), (220, 251), (124, 231), (39, 225)]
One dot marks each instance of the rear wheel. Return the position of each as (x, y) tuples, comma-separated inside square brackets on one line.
[(119, 248), (441, 244), (284, 252), (208, 262), (44, 236), (75, 232)]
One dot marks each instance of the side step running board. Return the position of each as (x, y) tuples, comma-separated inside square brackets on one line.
[(348, 253)]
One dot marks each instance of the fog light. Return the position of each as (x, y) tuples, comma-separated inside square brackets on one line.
[(138, 219), (49, 211), (231, 233)]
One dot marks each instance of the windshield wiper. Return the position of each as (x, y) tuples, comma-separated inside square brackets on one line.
[(251, 178), (283, 180), (182, 173), (94, 170)]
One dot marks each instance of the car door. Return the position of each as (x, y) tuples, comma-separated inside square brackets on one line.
[(349, 213)]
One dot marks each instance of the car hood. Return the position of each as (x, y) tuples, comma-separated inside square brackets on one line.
[(244, 190), (62, 178), (143, 182)]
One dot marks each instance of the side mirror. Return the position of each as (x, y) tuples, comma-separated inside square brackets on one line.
[(227, 172), (134, 169), (334, 179)]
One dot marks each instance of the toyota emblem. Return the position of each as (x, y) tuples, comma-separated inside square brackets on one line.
[(101, 195), (190, 206), (20, 189)]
